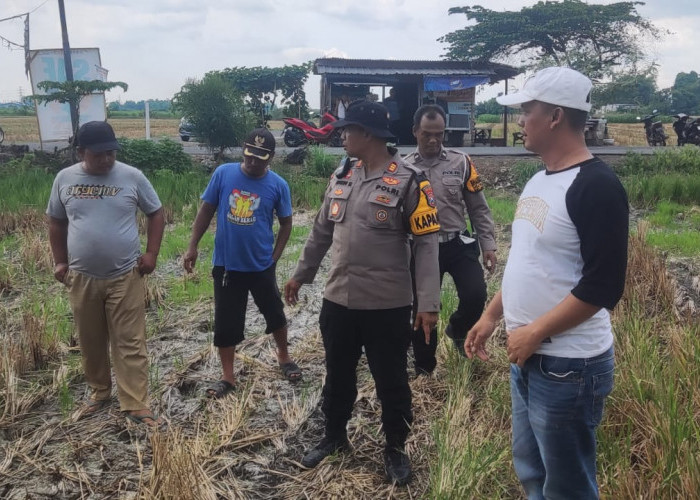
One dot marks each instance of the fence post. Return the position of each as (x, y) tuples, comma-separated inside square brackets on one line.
[(147, 113)]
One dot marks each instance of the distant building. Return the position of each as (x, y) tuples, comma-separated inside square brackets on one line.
[(619, 108)]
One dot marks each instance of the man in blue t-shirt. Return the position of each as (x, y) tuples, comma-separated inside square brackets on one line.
[(245, 196)]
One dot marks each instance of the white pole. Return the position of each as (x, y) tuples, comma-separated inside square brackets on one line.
[(147, 112)]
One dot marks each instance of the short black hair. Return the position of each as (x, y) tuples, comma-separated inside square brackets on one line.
[(576, 118), (431, 111)]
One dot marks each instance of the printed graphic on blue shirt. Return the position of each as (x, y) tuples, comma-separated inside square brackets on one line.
[(242, 207)]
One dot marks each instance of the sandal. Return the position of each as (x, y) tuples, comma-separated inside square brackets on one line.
[(144, 419), (93, 406), (219, 389), (291, 371)]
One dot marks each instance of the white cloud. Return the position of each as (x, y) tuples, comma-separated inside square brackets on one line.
[(155, 45)]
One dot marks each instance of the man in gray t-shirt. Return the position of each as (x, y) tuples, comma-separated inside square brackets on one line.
[(95, 243)]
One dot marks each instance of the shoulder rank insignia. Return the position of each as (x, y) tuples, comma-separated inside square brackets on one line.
[(392, 168)]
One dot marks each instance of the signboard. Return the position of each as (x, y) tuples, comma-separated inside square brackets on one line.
[(54, 118), (453, 82)]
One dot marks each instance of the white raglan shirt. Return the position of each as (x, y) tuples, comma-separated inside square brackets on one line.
[(569, 236)]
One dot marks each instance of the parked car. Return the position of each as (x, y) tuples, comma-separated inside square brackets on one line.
[(185, 130)]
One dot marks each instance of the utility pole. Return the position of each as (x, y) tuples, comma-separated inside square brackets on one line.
[(68, 63)]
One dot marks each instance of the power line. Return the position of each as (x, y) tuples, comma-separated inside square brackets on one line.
[(25, 13), (39, 6)]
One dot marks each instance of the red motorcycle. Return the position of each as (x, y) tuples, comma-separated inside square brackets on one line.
[(297, 132)]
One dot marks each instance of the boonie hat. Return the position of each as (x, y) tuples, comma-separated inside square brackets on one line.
[(260, 143), (97, 137), (559, 86), (371, 116)]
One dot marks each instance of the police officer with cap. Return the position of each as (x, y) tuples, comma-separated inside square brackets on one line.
[(373, 205)]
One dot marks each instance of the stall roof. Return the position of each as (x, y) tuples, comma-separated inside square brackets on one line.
[(339, 66)]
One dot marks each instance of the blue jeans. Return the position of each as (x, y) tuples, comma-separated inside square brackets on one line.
[(557, 405)]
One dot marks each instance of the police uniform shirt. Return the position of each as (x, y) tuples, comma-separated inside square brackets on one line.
[(366, 221), (456, 185)]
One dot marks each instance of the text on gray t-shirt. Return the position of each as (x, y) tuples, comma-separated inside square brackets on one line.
[(103, 238)]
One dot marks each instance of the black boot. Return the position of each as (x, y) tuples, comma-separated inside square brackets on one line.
[(397, 466), (457, 341), (326, 447)]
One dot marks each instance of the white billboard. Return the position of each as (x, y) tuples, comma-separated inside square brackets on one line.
[(54, 118)]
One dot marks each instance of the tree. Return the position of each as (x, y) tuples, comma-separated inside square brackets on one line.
[(216, 111), (262, 86), (592, 38), (490, 107), (686, 93), (632, 87)]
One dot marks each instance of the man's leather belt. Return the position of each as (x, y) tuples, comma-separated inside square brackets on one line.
[(445, 237)]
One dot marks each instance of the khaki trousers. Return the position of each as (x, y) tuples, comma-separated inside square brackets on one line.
[(110, 314)]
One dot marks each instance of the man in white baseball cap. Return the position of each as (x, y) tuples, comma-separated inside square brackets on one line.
[(565, 270), (560, 86)]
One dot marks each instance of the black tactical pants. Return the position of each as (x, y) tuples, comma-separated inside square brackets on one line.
[(385, 335), (462, 263)]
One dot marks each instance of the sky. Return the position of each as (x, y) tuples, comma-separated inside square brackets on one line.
[(156, 45)]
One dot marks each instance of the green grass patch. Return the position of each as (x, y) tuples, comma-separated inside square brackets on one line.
[(180, 192), (321, 164), (675, 216), (502, 205), (683, 160), (645, 191), (523, 172), (23, 187), (684, 243)]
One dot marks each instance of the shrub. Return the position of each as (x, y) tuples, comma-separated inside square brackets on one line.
[(320, 164), (216, 110), (147, 155)]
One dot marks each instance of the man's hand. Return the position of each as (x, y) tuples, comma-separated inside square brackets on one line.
[(490, 260), (475, 343), (59, 271), (147, 263), (189, 259), (291, 292), (522, 343), (427, 320)]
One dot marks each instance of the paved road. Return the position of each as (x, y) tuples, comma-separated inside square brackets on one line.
[(198, 149)]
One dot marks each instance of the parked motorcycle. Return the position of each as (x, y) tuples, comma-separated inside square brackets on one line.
[(679, 127), (297, 132), (688, 132), (692, 132), (654, 130)]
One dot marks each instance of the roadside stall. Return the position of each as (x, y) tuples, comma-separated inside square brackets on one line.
[(405, 85)]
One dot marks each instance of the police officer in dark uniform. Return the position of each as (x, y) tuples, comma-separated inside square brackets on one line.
[(372, 205)]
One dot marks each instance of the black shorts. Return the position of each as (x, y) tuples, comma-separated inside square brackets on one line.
[(231, 300)]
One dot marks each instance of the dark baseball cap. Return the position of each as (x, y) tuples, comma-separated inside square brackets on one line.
[(371, 116), (260, 143), (97, 137)]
